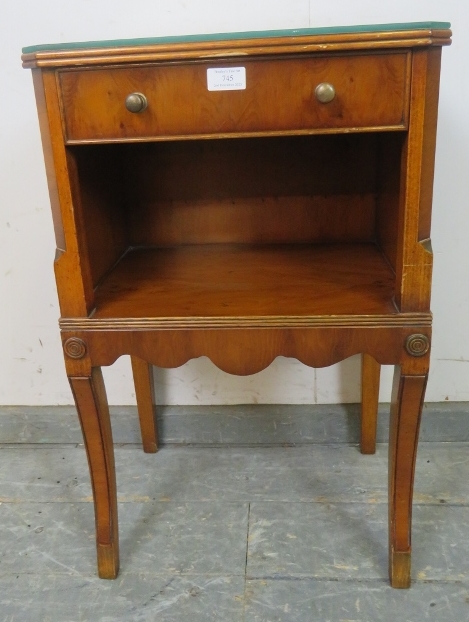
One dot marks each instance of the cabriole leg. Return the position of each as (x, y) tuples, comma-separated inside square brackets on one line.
[(93, 411), (369, 407), (144, 392), (406, 408)]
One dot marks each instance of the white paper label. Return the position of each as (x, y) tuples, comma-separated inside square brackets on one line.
[(226, 79)]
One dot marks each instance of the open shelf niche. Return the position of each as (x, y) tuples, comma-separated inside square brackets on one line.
[(218, 227)]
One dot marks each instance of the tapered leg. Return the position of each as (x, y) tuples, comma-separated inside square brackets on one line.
[(406, 408), (369, 408), (144, 393), (93, 411)]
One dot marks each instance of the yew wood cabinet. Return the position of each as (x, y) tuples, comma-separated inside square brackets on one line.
[(243, 197)]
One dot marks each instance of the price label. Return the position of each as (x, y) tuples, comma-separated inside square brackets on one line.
[(226, 79)]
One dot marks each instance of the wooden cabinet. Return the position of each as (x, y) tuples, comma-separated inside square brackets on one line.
[(289, 215)]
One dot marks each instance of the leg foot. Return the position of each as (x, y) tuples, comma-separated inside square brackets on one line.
[(399, 568), (369, 408), (406, 408), (108, 561), (144, 392), (93, 411)]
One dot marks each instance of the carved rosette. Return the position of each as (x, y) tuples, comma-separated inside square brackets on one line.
[(75, 348), (417, 345)]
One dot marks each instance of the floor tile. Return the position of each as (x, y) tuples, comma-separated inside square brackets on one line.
[(317, 540), (350, 541), (130, 598), (47, 538), (440, 543), (190, 538), (157, 538), (351, 601)]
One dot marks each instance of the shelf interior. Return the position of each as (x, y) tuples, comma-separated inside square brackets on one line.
[(271, 226), (243, 280)]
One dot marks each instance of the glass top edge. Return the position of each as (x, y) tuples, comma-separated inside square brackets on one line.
[(227, 36)]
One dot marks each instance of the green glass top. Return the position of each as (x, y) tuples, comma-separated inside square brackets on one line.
[(296, 32)]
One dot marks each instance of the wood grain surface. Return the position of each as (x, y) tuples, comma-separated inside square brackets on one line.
[(248, 280), (371, 92)]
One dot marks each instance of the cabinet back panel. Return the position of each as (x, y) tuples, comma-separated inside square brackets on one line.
[(256, 220), (288, 189)]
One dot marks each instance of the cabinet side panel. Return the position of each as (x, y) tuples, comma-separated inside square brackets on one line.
[(414, 257), (72, 275), (48, 159), (387, 201), (429, 142), (99, 200)]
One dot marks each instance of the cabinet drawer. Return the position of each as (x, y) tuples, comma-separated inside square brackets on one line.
[(280, 96)]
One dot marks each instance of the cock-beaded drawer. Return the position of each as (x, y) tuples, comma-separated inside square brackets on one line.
[(297, 95)]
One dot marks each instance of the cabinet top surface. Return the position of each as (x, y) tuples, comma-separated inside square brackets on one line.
[(234, 36), (372, 35)]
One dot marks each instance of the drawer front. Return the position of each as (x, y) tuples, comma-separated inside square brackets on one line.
[(371, 91)]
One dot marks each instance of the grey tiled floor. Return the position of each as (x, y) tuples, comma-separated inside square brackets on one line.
[(275, 523)]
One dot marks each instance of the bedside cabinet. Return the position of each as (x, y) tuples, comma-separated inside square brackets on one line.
[(242, 197)]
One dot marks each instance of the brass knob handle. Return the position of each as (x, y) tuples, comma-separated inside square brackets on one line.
[(136, 102), (324, 92)]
